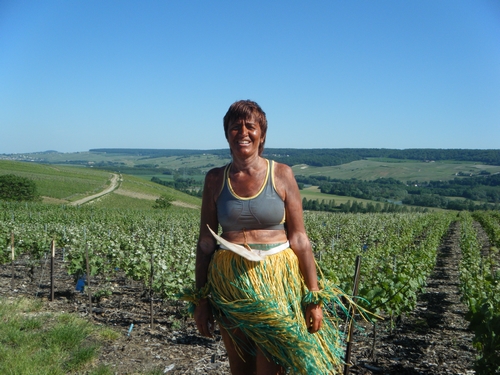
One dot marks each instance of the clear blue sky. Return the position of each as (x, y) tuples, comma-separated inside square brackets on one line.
[(82, 74)]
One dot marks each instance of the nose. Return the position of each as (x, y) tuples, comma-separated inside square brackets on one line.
[(243, 130)]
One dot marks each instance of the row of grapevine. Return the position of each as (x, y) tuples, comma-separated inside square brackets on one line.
[(480, 284), (490, 221), (115, 239), (398, 253), (398, 250)]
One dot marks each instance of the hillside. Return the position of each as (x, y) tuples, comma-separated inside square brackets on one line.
[(185, 170), (203, 159), (67, 184), (402, 170)]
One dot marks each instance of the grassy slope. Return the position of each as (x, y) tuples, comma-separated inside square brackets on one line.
[(369, 169), (63, 184), (402, 170), (59, 182), (138, 193), (314, 193), (173, 162)]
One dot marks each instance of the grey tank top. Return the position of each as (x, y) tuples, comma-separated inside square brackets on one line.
[(265, 210)]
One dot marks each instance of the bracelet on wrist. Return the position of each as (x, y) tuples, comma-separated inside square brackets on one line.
[(326, 294), (193, 295), (318, 297)]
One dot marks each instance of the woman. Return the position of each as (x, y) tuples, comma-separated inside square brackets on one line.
[(264, 294)]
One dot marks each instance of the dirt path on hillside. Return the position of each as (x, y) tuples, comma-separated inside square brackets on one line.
[(114, 182), (134, 194), (115, 187), (433, 339)]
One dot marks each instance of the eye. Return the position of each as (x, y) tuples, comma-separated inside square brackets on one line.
[(251, 126)]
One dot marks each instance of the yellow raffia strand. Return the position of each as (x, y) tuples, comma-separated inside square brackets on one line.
[(331, 294), (265, 301)]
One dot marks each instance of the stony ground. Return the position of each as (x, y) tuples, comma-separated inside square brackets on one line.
[(433, 339)]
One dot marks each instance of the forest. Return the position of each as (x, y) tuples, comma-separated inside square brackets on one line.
[(330, 157), (484, 188)]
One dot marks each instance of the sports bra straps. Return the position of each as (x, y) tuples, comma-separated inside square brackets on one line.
[(265, 210)]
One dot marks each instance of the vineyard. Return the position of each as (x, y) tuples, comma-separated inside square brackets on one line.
[(133, 263)]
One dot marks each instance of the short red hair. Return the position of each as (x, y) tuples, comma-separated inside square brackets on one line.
[(245, 110)]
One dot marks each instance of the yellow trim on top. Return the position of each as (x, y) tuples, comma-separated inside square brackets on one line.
[(283, 221), (247, 198), (223, 180)]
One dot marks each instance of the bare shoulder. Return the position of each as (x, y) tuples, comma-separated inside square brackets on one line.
[(213, 180), (214, 174), (284, 179), (282, 170)]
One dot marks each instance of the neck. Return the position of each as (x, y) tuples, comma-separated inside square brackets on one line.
[(247, 164)]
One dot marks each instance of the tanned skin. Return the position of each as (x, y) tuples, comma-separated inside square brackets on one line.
[(247, 175)]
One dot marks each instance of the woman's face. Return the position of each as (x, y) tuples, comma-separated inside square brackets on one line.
[(244, 137)]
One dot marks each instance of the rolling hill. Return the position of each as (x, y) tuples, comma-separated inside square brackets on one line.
[(61, 184), (66, 177)]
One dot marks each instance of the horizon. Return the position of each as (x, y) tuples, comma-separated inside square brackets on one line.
[(266, 148)]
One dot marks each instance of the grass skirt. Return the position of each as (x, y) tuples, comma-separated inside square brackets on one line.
[(265, 300)]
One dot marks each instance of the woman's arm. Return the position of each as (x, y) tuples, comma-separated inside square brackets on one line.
[(205, 249), (299, 242)]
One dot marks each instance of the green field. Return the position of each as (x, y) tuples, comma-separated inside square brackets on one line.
[(363, 169), (205, 161), (62, 183), (65, 184), (313, 192), (367, 169), (59, 182), (116, 162), (399, 170), (140, 189)]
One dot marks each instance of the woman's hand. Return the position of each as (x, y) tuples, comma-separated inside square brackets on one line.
[(204, 318), (314, 317)]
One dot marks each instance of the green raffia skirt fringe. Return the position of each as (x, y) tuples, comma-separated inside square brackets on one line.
[(265, 300)]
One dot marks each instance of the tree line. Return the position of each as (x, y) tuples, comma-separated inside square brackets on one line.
[(186, 185), (322, 157), (485, 188), (357, 207), (338, 156)]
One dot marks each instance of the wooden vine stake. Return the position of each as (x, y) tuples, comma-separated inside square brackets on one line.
[(88, 279), (52, 259), (351, 317), (151, 290), (12, 259)]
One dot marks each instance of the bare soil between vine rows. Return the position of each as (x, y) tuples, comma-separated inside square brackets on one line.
[(433, 339)]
